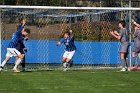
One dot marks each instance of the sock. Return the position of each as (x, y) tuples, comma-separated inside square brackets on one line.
[(133, 61), (71, 63), (127, 62), (17, 63), (65, 64), (23, 63), (123, 63), (3, 63)]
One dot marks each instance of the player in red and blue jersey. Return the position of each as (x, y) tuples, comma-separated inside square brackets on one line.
[(70, 48), (11, 49)]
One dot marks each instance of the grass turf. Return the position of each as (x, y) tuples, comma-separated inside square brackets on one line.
[(99, 81)]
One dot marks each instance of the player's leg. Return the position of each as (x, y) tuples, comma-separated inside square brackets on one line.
[(133, 65), (123, 52), (133, 58), (127, 60), (4, 62), (123, 61), (16, 59), (64, 59), (138, 66), (8, 56), (69, 58), (19, 60), (66, 64), (23, 51), (23, 64)]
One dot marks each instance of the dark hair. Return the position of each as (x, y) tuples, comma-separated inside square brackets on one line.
[(27, 30), (123, 23), (67, 32)]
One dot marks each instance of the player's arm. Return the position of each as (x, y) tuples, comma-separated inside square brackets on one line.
[(135, 23), (22, 26), (116, 35), (115, 32), (60, 42), (24, 48), (70, 33), (136, 29)]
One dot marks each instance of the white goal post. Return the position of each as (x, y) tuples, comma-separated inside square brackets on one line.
[(71, 8), (86, 20)]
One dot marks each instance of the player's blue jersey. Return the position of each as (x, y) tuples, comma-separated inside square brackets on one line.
[(69, 43), (16, 38), (20, 45)]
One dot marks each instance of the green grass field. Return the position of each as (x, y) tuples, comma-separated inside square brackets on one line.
[(90, 81)]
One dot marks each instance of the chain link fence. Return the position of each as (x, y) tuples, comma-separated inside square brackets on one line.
[(96, 48)]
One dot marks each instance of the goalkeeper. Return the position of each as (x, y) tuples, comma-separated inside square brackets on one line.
[(70, 49), (22, 49)]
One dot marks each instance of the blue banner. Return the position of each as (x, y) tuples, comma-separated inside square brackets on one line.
[(46, 51)]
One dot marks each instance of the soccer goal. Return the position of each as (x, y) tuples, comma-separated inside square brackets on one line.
[(91, 27)]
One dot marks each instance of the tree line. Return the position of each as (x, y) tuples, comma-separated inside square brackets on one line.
[(62, 2)]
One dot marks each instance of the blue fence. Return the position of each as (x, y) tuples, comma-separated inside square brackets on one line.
[(46, 51)]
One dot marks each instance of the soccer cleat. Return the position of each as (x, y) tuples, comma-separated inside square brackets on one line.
[(65, 69), (123, 70), (128, 69), (133, 68), (23, 69), (1, 68), (16, 71), (138, 68)]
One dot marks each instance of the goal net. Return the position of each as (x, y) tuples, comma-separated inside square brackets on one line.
[(96, 48)]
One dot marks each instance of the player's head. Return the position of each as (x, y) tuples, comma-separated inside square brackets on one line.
[(25, 31), (66, 35), (122, 24)]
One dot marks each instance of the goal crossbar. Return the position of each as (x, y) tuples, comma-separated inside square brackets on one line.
[(72, 8)]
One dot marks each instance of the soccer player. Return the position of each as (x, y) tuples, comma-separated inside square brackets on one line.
[(70, 49), (22, 49), (136, 46), (123, 36), (11, 49)]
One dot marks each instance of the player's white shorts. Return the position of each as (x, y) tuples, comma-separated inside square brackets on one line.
[(12, 52), (68, 54)]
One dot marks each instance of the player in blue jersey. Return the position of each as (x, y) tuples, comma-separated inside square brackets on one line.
[(11, 49), (68, 41), (136, 49), (123, 36)]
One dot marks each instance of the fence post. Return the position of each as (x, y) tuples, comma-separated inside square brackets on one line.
[(130, 30)]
